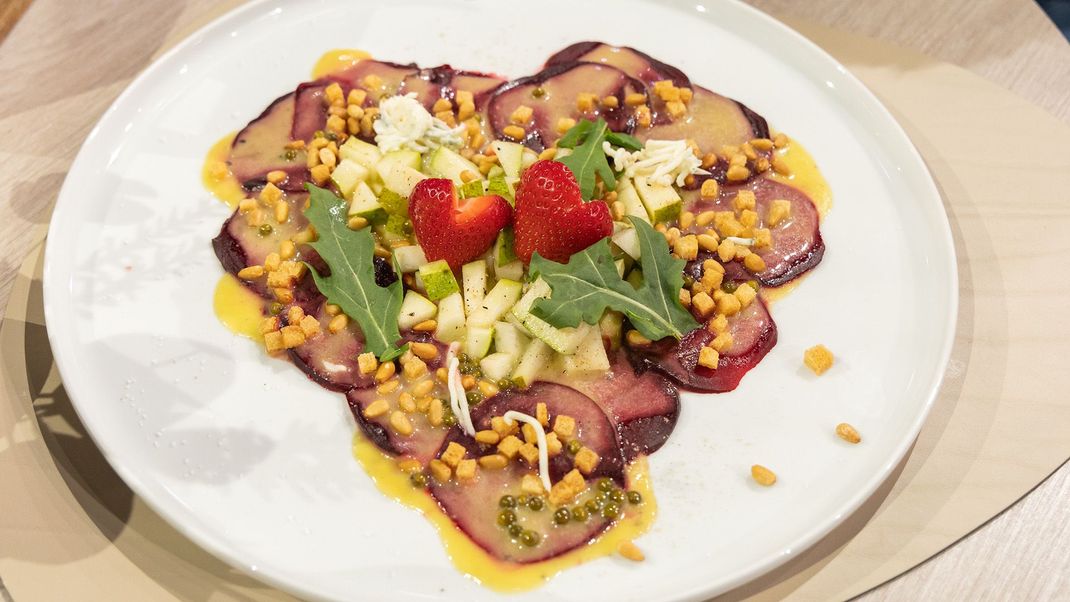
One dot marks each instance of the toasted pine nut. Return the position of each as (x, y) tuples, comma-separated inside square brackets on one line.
[(848, 433), (385, 371), (630, 551), (762, 475)]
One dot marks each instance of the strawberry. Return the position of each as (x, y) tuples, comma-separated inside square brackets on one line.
[(552, 218), (458, 231)]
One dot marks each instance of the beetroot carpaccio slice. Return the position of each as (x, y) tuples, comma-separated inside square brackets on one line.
[(310, 113), (637, 64), (473, 506), (643, 406), (445, 81), (753, 334), (712, 121), (239, 245), (259, 148), (797, 246), (559, 87)]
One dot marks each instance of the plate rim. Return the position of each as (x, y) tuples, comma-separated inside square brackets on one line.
[(55, 292)]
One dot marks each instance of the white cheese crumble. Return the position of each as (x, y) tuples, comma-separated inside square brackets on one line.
[(660, 161), (458, 398), (540, 437), (405, 123)]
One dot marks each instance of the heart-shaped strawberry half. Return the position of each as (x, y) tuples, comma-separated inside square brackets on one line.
[(551, 217), (458, 231)]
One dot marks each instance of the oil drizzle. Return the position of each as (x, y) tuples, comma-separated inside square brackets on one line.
[(472, 560)]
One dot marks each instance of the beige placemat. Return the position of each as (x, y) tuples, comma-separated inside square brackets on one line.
[(70, 529)]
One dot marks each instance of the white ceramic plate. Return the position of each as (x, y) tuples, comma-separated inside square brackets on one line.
[(248, 458)]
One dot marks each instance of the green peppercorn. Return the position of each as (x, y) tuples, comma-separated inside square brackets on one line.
[(507, 501), (634, 497), (616, 495), (530, 538), (574, 447), (276, 308), (266, 230), (505, 384), (535, 503), (754, 285), (290, 154), (611, 510), (594, 506), (606, 484), (580, 514), (474, 397), (332, 136), (506, 518), (515, 530), (448, 419), (729, 287), (538, 92), (522, 501), (418, 479), (562, 516)]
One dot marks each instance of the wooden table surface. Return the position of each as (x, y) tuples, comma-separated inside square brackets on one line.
[(61, 49)]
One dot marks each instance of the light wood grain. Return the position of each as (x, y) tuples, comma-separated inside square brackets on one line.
[(1024, 554)]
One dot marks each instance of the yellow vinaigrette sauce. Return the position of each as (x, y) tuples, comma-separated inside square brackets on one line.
[(238, 308), (472, 560), (804, 175), (336, 60), (216, 176)]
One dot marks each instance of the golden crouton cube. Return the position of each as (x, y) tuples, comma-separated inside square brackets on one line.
[(703, 304), (466, 469), (270, 194), (708, 191), (269, 324), (503, 428), (454, 454), (530, 453), (744, 200), (367, 363), (721, 342), (509, 446), (529, 433), (779, 211), (553, 445), (567, 488), (748, 218), (586, 460), (708, 358), (745, 294), (310, 326), (686, 247), (521, 115), (726, 250), (719, 324), (564, 426), (763, 238), (279, 279), (542, 414), (292, 336), (728, 305), (440, 470), (273, 341), (493, 461), (818, 358), (531, 485), (586, 102)]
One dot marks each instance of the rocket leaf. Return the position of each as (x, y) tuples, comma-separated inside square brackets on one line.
[(588, 284), (351, 285)]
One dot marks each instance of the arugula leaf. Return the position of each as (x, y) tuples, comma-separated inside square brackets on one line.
[(589, 284), (351, 285), (624, 141), (587, 157)]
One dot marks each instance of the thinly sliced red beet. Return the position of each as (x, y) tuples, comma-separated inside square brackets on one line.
[(753, 334), (423, 444), (311, 112), (260, 148), (473, 506), (637, 64), (797, 244), (560, 85), (444, 82), (239, 245), (643, 406), (712, 121)]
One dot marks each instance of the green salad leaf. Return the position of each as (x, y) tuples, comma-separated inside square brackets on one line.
[(588, 158), (349, 254), (588, 284)]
